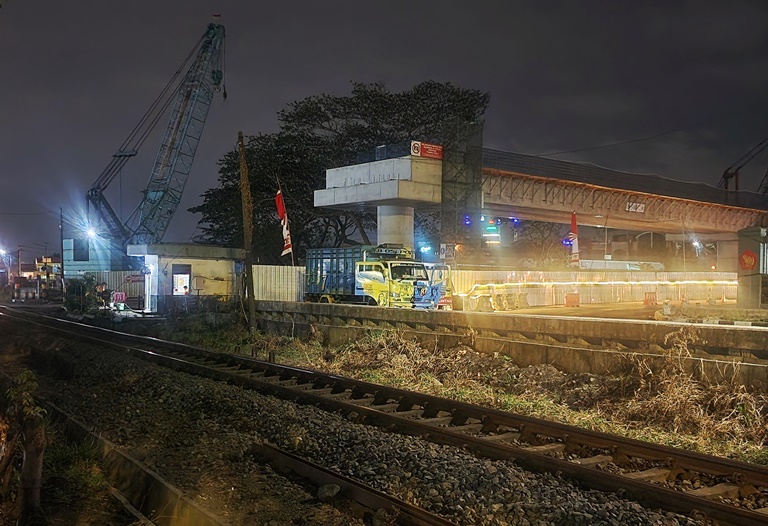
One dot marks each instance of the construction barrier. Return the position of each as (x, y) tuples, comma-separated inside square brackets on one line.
[(649, 298), (572, 299)]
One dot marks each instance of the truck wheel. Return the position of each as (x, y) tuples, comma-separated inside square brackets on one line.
[(326, 299), (372, 302)]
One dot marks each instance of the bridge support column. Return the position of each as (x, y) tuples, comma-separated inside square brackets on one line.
[(753, 268), (395, 225)]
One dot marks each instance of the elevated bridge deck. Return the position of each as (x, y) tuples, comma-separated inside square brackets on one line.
[(545, 189)]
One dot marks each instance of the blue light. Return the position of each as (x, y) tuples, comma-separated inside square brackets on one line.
[(467, 220), (425, 249)]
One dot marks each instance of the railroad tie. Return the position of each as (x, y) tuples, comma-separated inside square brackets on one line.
[(650, 475), (725, 490), (469, 428), (511, 436), (597, 460), (546, 449)]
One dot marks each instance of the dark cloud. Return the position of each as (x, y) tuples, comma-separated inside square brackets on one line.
[(77, 76)]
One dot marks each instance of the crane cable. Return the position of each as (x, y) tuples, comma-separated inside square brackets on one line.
[(223, 70), (751, 154), (733, 170), (118, 161)]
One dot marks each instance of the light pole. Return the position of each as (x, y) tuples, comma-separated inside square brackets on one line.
[(4, 257), (61, 245), (604, 226)]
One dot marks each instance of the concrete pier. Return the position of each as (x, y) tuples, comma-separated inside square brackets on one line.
[(395, 225)]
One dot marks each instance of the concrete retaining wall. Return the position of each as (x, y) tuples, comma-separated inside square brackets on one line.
[(574, 345)]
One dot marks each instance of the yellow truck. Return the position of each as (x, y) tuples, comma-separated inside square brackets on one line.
[(386, 275)]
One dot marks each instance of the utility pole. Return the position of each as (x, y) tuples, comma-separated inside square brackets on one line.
[(61, 243), (247, 201)]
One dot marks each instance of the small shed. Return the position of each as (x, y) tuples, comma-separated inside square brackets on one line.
[(181, 276)]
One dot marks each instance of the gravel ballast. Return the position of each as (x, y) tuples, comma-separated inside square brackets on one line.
[(199, 434)]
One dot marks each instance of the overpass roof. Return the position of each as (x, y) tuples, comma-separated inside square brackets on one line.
[(597, 175)]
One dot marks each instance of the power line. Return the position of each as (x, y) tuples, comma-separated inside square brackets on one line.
[(25, 214), (640, 139)]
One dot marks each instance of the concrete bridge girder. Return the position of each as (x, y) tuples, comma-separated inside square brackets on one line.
[(393, 187), (553, 200)]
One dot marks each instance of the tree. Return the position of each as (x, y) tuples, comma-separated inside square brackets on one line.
[(318, 133), (544, 243)]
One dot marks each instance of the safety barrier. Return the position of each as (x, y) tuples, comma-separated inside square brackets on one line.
[(649, 298)]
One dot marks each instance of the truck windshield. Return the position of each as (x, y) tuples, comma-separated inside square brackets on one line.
[(408, 271)]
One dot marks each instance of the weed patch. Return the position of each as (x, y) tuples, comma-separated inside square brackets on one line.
[(653, 398)]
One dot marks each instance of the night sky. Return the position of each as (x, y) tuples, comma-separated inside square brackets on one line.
[(563, 76)]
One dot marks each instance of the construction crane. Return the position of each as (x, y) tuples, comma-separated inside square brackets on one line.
[(732, 172), (191, 96)]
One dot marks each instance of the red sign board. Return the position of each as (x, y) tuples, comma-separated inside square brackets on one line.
[(748, 260), (424, 149), (134, 278)]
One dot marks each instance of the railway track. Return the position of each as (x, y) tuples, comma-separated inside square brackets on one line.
[(700, 486)]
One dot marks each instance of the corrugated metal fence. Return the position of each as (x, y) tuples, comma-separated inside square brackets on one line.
[(285, 283), (278, 283), (550, 288)]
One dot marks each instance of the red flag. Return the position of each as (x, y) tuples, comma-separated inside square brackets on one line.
[(283, 215), (573, 235)]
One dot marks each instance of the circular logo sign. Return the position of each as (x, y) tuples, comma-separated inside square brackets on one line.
[(748, 260)]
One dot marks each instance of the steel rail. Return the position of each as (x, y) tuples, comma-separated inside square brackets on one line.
[(336, 393), (407, 514)]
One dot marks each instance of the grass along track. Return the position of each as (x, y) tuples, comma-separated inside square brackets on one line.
[(661, 404)]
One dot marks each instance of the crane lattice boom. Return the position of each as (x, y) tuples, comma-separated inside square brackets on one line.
[(191, 99)]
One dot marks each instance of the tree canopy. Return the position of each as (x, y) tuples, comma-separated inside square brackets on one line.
[(318, 133)]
